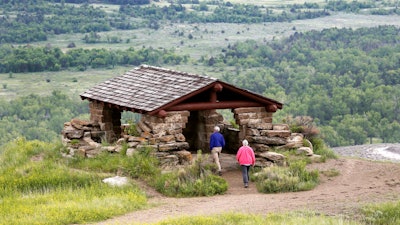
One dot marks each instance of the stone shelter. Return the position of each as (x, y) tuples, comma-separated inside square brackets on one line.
[(178, 113)]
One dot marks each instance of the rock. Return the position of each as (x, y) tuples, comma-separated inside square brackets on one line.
[(275, 133), (109, 148), (180, 137), (116, 181), (260, 147), (91, 142), (72, 133), (93, 152), (307, 143), (305, 150), (268, 140), (133, 144), (167, 138), (185, 157), (272, 156), (280, 127), (79, 124), (173, 146), (120, 141), (262, 162), (130, 151), (169, 162), (136, 139), (316, 158), (143, 127)]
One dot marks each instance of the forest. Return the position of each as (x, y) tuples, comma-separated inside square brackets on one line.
[(34, 20), (347, 80)]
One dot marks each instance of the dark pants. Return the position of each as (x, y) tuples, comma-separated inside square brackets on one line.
[(245, 173)]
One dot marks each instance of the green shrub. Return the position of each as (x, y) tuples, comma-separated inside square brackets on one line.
[(142, 164), (382, 214), (131, 129), (194, 180), (320, 148), (286, 179)]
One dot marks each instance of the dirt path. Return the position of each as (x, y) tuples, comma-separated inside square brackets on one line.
[(360, 182)]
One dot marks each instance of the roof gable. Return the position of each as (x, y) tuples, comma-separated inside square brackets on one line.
[(149, 89)]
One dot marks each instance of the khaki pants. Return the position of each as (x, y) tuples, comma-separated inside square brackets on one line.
[(215, 154)]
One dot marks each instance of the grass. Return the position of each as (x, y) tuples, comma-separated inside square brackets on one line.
[(195, 180), (286, 179), (71, 83), (382, 214), (36, 187), (67, 206), (294, 218), (210, 39)]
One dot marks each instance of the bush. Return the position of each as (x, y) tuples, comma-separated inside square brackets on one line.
[(131, 129), (320, 148), (387, 213), (143, 164), (286, 179), (195, 180)]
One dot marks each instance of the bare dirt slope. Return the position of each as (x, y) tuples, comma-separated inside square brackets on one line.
[(360, 182)]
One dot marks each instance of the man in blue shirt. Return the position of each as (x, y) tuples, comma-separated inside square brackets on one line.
[(217, 142)]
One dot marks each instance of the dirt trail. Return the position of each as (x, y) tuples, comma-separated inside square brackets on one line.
[(360, 182)]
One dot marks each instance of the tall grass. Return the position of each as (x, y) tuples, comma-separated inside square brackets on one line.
[(195, 180), (304, 218), (36, 187), (382, 214), (286, 179), (143, 164)]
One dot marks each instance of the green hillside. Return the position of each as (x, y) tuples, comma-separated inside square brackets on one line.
[(335, 62)]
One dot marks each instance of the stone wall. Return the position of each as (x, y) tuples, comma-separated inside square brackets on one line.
[(166, 135), (256, 126)]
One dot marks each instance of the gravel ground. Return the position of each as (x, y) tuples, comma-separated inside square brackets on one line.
[(376, 152)]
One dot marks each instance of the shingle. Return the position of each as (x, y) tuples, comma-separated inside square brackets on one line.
[(147, 88)]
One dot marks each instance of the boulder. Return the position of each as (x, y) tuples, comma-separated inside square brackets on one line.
[(305, 150), (130, 151), (116, 181), (185, 157), (273, 156)]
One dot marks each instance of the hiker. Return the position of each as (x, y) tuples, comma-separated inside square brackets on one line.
[(246, 158), (217, 142)]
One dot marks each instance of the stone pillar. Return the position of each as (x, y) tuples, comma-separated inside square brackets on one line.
[(257, 127), (210, 119), (166, 132), (108, 118)]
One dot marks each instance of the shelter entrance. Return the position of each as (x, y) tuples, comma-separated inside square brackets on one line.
[(200, 126)]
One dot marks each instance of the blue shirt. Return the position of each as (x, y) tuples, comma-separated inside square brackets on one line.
[(217, 140)]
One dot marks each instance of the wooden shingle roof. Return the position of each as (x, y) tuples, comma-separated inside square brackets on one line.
[(149, 89)]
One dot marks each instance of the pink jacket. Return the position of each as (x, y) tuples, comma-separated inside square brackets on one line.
[(245, 156)]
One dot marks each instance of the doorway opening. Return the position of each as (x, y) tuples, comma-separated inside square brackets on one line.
[(200, 126)]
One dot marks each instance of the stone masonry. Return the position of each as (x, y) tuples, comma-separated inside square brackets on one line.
[(166, 134)]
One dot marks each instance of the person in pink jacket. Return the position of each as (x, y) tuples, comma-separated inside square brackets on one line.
[(246, 158)]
